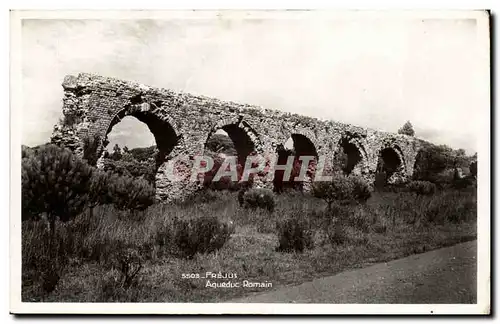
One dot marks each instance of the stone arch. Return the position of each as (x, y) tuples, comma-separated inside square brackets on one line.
[(391, 163), (243, 136), (304, 133), (302, 146), (164, 129), (355, 153), (419, 165)]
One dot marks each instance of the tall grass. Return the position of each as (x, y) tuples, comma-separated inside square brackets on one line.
[(88, 248)]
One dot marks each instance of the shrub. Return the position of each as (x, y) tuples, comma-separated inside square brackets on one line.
[(341, 161), (117, 153), (431, 160), (339, 190), (361, 190), (294, 235), (56, 182), (132, 168), (259, 198), (342, 190), (131, 194), (206, 234), (423, 188), (99, 193), (144, 154)]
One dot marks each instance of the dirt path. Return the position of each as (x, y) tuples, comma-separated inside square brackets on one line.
[(442, 276)]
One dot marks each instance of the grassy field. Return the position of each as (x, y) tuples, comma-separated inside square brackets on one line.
[(389, 226)]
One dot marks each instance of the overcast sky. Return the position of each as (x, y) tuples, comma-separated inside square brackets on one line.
[(376, 73)]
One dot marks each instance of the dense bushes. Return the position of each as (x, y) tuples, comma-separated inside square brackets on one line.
[(57, 185), (187, 237), (294, 235), (131, 194), (132, 168), (56, 182), (370, 232), (361, 190), (433, 160), (120, 252), (339, 190), (257, 198), (462, 182), (144, 154), (430, 161), (425, 188)]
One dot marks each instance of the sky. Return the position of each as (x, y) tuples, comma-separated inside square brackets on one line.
[(375, 73)]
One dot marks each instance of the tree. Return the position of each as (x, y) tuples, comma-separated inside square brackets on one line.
[(117, 153), (431, 160), (56, 182), (339, 190), (407, 129)]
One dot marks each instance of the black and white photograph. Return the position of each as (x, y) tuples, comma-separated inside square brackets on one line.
[(250, 162)]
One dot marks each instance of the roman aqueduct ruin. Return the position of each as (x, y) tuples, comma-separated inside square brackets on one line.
[(181, 124)]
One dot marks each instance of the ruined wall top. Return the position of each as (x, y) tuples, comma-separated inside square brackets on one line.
[(93, 104), (86, 82)]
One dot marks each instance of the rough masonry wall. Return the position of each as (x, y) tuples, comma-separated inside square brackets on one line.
[(93, 104)]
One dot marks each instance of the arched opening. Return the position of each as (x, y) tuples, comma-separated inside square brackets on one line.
[(347, 157), (136, 144), (389, 162), (297, 146), (227, 142), (242, 142)]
